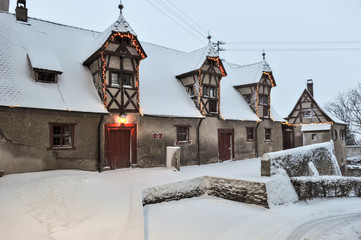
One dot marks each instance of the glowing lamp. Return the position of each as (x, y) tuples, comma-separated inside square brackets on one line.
[(122, 119)]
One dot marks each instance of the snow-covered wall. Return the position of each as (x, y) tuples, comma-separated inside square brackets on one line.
[(327, 186), (296, 161), (231, 189)]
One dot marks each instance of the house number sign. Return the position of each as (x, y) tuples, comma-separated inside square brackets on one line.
[(158, 136)]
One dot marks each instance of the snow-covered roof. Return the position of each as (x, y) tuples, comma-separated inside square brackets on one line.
[(67, 45), (233, 105), (316, 127), (119, 26), (276, 116), (44, 59), (161, 93), (248, 74)]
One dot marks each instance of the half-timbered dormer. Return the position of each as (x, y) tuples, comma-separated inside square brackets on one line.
[(257, 92), (203, 83), (114, 64)]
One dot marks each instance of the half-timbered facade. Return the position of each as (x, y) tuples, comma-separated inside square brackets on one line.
[(309, 124)]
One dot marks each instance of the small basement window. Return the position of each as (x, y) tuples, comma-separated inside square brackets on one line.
[(62, 136), (182, 134)]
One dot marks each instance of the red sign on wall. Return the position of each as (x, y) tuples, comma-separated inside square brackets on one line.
[(158, 136)]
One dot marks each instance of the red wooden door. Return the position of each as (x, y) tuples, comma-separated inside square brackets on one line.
[(225, 142), (119, 148)]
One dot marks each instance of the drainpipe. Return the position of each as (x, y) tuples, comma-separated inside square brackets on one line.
[(198, 142), (256, 139), (99, 142)]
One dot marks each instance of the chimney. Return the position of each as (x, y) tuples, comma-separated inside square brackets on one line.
[(310, 86), (21, 11), (4, 5)]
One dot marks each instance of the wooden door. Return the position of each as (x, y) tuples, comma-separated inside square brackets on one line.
[(225, 143), (119, 145), (288, 139)]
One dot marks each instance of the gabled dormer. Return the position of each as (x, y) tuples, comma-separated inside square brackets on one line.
[(255, 84), (306, 110), (201, 75), (114, 64)]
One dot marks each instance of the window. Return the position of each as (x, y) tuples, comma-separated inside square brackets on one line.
[(190, 90), (250, 134), (62, 136), (335, 135), (268, 134), (314, 137), (115, 80), (182, 134), (308, 113), (213, 106), (127, 79), (263, 100), (212, 92), (343, 135), (248, 99), (205, 91), (266, 112), (46, 77)]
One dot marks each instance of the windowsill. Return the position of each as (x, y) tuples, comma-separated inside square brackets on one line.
[(250, 140), (268, 141), (61, 148), (127, 86), (183, 142)]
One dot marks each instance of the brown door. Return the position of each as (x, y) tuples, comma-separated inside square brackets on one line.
[(225, 142), (119, 148), (288, 139)]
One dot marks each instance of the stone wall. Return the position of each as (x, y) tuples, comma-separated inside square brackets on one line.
[(230, 189), (296, 161), (328, 186), (25, 139)]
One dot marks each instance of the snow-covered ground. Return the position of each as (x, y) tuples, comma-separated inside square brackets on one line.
[(69, 204)]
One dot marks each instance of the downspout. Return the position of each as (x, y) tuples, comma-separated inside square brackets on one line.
[(99, 142), (256, 139), (198, 142)]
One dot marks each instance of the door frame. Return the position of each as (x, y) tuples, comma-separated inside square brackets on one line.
[(225, 131), (133, 141)]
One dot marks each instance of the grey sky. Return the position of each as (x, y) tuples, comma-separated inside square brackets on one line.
[(242, 21)]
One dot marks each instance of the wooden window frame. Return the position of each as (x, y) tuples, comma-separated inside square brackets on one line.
[(212, 92), (215, 102), (314, 137), (266, 109), (205, 92), (39, 73), (250, 130), (269, 139), (111, 79), (181, 142), (72, 136), (120, 80)]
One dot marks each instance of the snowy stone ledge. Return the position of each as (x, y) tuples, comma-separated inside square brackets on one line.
[(231, 189), (327, 186), (296, 162)]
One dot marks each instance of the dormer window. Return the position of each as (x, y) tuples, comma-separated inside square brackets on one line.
[(205, 91), (190, 90), (45, 65), (45, 77), (212, 92)]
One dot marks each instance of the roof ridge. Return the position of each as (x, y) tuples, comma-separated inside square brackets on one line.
[(157, 45), (54, 23), (235, 65)]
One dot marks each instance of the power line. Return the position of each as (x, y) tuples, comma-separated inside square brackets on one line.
[(295, 43), (175, 21), (294, 49), (184, 21)]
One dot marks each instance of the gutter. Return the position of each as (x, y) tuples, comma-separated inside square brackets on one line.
[(198, 142)]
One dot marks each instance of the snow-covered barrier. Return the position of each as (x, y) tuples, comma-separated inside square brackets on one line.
[(317, 159), (230, 189), (327, 186)]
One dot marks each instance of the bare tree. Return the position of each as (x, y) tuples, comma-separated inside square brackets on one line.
[(347, 107)]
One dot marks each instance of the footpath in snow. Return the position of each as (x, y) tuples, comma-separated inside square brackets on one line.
[(89, 205)]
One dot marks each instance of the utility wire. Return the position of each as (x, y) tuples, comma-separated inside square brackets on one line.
[(175, 21), (199, 26), (184, 21), (294, 49), (295, 43)]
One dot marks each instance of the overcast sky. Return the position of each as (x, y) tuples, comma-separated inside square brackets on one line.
[(333, 67)]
